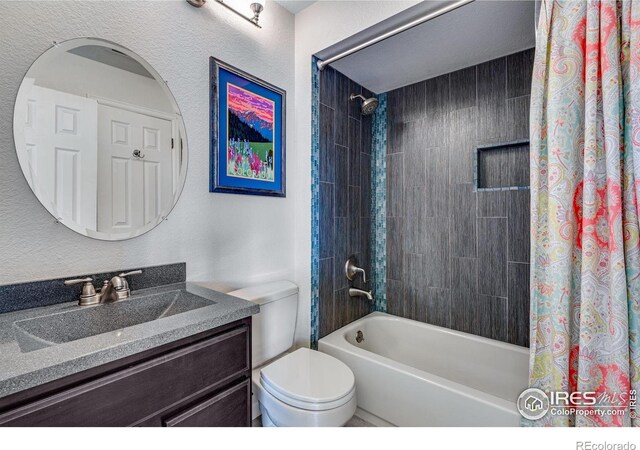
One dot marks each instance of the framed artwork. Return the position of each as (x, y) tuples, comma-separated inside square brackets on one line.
[(247, 133)]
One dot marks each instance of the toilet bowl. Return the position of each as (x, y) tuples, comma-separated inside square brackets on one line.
[(304, 388)]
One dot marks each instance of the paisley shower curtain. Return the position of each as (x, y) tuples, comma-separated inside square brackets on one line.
[(585, 185)]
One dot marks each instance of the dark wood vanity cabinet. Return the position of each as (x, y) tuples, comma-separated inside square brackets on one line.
[(203, 380)]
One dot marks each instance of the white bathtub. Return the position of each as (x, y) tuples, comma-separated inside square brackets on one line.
[(410, 373)]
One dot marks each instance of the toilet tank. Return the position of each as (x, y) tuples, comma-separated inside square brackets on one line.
[(274, 326)]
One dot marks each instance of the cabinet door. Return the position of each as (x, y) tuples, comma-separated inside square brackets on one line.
[(143, 390), (230, 408)]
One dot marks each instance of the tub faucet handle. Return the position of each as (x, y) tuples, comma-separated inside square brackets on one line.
[(351, 269)]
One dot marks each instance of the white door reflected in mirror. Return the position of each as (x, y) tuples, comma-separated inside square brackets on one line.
[(100, 139)]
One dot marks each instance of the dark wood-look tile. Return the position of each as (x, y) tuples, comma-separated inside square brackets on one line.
[(342, 181), (365, 246), (518, 118), (395, 185), (437, 111), (415, 154), (437, 182), (354, 243), (492, 203), (464, 295), (395, 104), (519, 227), (414, 287), (327, 160), (355, 145), (520, 70), (340, 251), (493, 168), (365, 185), (462, 88), (366, 307), (414, 101), (438, 307), (518, 166), (325, 220), (492, 251), (366, 133), (519, 304), (328, 87), (462, 220), (341, 307), (491, 120), (416, 214), (492, 317), (341, 135), (436, 261), (395, 298), (395, 250), (462, 143), (342, 103), (325, 306), (355, 105), (395, 135)]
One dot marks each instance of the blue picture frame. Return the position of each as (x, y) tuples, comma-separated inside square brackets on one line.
[(247, 126)]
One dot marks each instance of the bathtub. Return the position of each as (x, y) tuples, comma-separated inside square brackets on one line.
[(409, 373)]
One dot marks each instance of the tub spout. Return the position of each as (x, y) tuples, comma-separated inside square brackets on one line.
[(353, 292)]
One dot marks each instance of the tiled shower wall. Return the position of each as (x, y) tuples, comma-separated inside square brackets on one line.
[(344, 200), (455, 257)]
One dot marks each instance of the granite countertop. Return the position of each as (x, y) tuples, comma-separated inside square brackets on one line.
[(22, 367)]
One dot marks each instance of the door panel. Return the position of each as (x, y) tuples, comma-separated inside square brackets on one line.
[(142, 188), (60, 136)]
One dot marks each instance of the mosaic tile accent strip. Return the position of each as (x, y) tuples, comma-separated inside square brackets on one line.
[(315, 201), (379, 204)]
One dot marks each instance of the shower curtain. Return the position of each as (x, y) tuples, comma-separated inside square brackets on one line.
[(585, 185)]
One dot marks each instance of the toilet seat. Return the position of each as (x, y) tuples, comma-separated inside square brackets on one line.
[(309, 380)]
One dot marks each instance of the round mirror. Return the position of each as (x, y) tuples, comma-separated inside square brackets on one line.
[(100, 139)]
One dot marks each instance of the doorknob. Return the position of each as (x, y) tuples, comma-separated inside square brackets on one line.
[(138, 154)]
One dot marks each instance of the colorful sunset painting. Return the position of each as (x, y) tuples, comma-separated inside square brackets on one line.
[(250, 137)]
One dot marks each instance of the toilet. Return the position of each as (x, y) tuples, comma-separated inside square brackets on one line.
[(304, 388)]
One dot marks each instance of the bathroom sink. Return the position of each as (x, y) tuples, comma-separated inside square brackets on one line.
[(45, 331)]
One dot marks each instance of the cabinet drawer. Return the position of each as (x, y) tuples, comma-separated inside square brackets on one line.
[(139, 391), (229, 408)]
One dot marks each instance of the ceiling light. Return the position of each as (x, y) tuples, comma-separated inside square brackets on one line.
[(247, 9)]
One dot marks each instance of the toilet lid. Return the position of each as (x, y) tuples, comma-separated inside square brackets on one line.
[(309, 379)]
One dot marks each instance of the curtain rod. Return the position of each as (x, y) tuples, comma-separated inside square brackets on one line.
[(398, 30)]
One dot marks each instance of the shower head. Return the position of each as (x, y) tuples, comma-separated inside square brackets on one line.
[(369, 105)]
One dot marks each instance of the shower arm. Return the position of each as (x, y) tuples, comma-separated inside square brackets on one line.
[(407, 26)]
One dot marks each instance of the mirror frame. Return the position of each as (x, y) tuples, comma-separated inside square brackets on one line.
[(19, 112)]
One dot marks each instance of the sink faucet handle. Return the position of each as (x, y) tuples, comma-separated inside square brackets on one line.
[(88, 296), (78, 281), (125, 283), (133, 272)]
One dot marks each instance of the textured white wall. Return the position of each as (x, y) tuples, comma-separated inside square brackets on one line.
[(228, 239), (317, 27), (231, 239)]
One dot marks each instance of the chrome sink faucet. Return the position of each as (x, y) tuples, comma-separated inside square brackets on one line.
[(112, 290)]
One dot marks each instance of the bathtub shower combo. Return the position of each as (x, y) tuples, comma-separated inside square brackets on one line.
[(409, 373)]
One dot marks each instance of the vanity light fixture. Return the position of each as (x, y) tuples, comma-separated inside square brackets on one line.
[(256, 7)]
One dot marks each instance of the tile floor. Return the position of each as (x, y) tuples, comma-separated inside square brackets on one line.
[(354, 422)]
